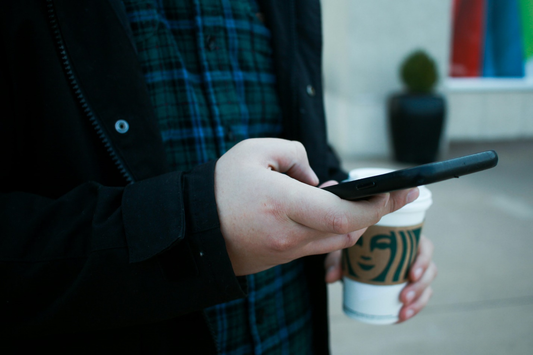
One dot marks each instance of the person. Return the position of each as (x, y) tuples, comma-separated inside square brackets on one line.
[(158, 183)]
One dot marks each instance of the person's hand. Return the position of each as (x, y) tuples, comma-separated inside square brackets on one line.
[(415, 296), (270, 212)]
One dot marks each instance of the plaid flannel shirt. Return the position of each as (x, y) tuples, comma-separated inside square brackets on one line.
[(207, 64)]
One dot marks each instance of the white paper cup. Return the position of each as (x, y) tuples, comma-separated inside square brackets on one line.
[(375, 269)]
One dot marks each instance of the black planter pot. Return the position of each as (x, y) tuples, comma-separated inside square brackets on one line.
[(416, 122)]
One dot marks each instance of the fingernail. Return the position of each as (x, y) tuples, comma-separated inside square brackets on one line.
[(412, 195), (409, 313), (418, 273), (410, 295)]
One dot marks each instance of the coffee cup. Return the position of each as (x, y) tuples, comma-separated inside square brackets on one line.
[(375, 269)]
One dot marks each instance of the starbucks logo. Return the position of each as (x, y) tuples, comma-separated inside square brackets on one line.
[(382, 255)]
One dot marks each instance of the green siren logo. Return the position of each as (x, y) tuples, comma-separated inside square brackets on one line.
[(383, 255)]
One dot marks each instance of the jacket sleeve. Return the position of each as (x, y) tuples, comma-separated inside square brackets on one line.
[(96, 255), (75, 262)]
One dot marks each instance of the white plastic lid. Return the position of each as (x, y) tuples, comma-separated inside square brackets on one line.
[(410, 214)]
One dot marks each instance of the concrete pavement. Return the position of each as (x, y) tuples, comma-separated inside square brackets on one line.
[(482, 228)]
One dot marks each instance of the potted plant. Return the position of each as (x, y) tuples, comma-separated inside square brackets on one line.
[(416, 115)]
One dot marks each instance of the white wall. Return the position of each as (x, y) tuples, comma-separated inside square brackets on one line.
[(364, 44)]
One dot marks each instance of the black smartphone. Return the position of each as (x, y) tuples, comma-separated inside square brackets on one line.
[(417, 176)]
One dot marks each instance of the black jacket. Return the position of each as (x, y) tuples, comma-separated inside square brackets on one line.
[(102, 248)]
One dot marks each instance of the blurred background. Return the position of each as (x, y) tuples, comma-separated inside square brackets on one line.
[(482, 224)]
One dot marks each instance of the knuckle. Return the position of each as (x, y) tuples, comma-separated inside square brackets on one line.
[(299, 149), (431, 246), (395, 204), (278, 243), (337, 222), (375, 217), (426, 242), (381, 208), (428, 293), (391, 205), (435, 270), (298, 146), (351, 239), (281, 244)]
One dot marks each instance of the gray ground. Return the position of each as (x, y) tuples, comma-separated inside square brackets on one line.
[(482, 228)]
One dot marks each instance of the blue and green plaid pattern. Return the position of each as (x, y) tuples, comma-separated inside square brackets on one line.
[(208, 67)]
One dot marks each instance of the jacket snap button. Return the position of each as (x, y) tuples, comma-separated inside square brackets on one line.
[(122, 126), (310, 90)]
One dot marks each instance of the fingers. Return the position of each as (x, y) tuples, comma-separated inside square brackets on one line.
[(327, 244), (422, 273), (333, 266), (279, 155), (417, 293), (423, 259), (262, 189), (325, 212), (413, 309), (401, 198), (414, 290)]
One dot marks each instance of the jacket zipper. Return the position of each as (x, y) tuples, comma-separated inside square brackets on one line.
[(58, 39)]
